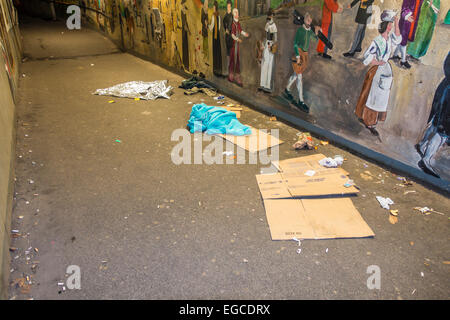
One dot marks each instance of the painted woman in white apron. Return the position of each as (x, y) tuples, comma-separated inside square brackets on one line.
[(373, 101)]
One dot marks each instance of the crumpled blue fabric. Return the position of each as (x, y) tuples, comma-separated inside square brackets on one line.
[(216, 120)]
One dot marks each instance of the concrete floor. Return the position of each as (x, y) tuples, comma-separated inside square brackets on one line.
[(98, 204)]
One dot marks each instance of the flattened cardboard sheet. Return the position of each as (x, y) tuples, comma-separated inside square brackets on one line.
[(286, 185), (257, 141), (303, 164), (315, 219)]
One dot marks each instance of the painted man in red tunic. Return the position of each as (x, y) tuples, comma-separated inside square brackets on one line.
[(237, 33), (329, 6)]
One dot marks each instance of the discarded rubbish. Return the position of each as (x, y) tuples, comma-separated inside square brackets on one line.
[(195, 82), (385, 202), (111, 101), (228, 153), (349, 184), (194, 90), (393, 219), (310, 173), (394, 212), (324, 143), (216, 120), (332, 163), (138, 89), (273, 118), (427, 211), (299, 251), (298, 241), (219, 98), (304, 141)]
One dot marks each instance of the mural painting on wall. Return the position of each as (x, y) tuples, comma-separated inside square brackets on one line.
[(437, 133), (365, 69), (5, 27)]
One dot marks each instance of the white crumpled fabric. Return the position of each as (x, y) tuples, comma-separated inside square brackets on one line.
[(138, 89), (332, 163), (385, 202)]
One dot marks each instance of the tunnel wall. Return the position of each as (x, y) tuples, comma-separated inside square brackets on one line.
[(169, 32), (9, 59)]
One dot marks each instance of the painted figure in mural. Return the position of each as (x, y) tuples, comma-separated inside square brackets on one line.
[(204, 18), (300, 61), (329, 6), (227, 24), (215, 27), (373, 101), (234, 70), (362, 18), (268, 56), (408, 25), (437, 133), (425, 28), (185, 34)]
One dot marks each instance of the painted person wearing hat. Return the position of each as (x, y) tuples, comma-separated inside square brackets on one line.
[(374, 98), (362, 18), (268, 57), (300, 61)]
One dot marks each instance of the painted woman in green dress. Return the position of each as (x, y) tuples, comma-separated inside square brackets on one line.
[(425, 28)]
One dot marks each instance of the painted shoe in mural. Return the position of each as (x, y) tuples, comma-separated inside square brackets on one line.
[(325, 56), (374, 131), (417, 146), (238, 81), (301, 106), (348, 54), (405, 65), (358, 50), (287, 95)]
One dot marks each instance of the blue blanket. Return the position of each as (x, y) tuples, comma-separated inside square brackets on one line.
[(215, 120)]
